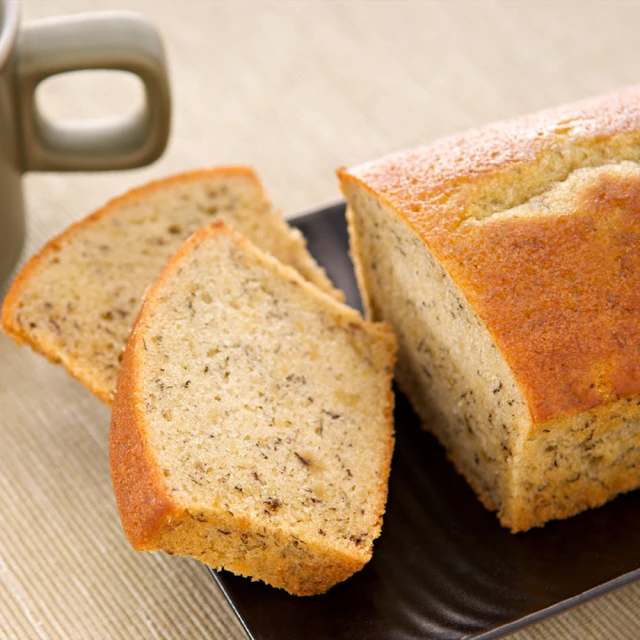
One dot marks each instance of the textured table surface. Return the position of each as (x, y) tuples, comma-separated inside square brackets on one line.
[(295, 89)]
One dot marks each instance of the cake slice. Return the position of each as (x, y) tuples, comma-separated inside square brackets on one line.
[(507, 260), (76, 301), (252, 425)]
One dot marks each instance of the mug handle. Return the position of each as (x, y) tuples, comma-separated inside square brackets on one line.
[(107, 40)]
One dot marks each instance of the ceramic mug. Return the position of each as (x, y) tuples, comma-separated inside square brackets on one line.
[(31, 142)]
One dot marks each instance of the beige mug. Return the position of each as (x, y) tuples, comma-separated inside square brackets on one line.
[(31, 142)]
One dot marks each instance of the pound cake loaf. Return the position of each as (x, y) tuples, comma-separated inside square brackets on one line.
[(252, 424), (76, 301), (507, 260)]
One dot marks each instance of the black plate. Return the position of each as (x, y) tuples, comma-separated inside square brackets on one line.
[(443, 567)]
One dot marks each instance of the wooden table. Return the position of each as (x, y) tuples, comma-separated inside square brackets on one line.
[(295, 89)]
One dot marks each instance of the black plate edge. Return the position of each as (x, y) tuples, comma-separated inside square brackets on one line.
[(497, 632), (506, 629), (557, 608), (246, 629)]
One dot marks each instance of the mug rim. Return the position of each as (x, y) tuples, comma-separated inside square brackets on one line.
[(8, 28)]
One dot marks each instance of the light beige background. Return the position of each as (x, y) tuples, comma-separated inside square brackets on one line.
[(295, 89)]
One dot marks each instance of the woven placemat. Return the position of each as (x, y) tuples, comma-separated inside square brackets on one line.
[(296, 90)]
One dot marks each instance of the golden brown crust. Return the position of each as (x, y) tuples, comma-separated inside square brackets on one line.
[(568, 326), (143, 502), (420, 182), (557, 293)]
